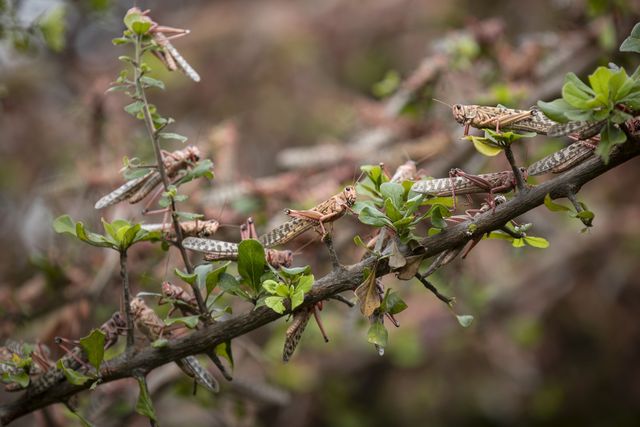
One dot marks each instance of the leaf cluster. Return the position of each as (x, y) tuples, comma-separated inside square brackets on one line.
[(611, 97)]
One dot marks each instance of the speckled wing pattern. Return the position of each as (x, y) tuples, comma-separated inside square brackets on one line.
[(124, 191), (213, 248), (294, 333), (444, 186), (563, 159), (190, 366)]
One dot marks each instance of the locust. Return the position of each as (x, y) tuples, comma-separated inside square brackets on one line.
[(165, 51), (461, 182), (532, 120), (148, 322), (217, 250), (296, 329), (175, 163), (565, 158), (76, 358), (303, 220), (180, 298), (196, 228)]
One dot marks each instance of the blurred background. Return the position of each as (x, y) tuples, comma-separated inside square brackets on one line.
[(294, 97)]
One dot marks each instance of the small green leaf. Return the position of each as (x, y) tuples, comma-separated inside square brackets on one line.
[(213, 277), (293, 272), (144, 406), (305, 283), (275, 303), (270, 286), (74, 377), (159, 343), (610, 136), (134, 108), (189, 321), (481, 145), (378, 334), (586, 215), (93, 345), (554, 207), (189, 216), (576, 97), (83, 421), (536, 242), (296, 299), (21, 378), (251, 262), (393, 191), (465, 320), (120, 41), (632, 43), (151, 82), (555, 110), (64, 224), (189, 278), (393, 303), (172, 135), (518, 243), (224, 350)]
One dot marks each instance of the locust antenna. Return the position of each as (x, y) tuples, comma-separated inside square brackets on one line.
[(442, 102)]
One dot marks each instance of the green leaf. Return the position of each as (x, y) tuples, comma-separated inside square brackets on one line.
[(576, 97), (619, 85), (189, 321), (172, 135), (483, 147), (189, 216), (224, 350), (271, 286), (64, 224), (610, 136), (374, 217), (230, 284), (120, 41), (144, 406), (74, 377), (160, 342), (585, 215), (151, 82), (358, 241), (392, 303), (296, 299), (599, 81), (251, 262), (213, 277), (393, 191), (21, 378), (134, 108), (305, 283), (275, 303), (555, 110), (392, 212), (93, 345), (571, 77), (189, 278), (378, 334), (202, 169), (52, 27), (536, 242), (518, 243), (632, 43), (85, 422), (465, 320), (293, 272), (554, 207)]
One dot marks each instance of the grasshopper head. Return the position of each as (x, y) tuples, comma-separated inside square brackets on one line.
[(137, 306), (462, 113), (349, 195)]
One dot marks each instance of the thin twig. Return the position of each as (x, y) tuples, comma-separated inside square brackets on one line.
[(516, 171), (427, 284), (124, 276), (153, 135)]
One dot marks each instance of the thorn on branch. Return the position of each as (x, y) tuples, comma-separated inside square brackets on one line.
[(342, 300)]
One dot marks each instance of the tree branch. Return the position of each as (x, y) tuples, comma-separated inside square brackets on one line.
[(334, 283)]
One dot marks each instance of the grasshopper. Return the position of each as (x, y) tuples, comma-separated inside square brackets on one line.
[(532, 120), (564, 159), (148, 322), (297, 327), (216, 250), (196, 228), (460, 182), (137, 189), (181, 299), (301, 221), (75, 358), (165, 51)]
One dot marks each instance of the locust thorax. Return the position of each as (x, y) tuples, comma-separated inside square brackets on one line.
[(349, 195)]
